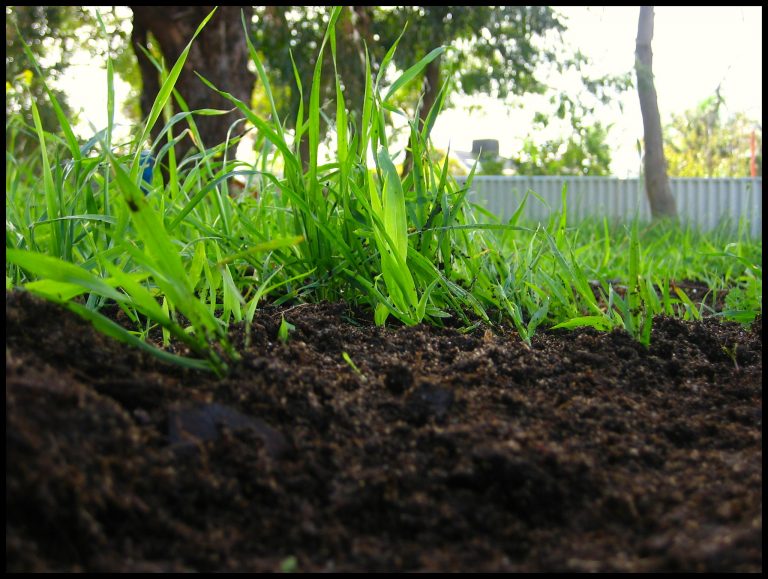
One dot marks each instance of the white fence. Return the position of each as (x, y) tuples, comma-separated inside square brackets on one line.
[(703, 202)]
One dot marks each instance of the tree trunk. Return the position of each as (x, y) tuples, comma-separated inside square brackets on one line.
[(219, 53), (656, 180), (431, 89), (353, 29)]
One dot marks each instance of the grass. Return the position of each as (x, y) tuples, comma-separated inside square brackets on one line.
[(190, 258)]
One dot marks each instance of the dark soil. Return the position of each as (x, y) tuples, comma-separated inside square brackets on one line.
[(449, 451)]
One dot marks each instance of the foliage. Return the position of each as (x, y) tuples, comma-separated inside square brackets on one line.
[(38, 24), (491, 164), (287, 38), (55, 34), (704, 142), (493, 49), (585, 152)]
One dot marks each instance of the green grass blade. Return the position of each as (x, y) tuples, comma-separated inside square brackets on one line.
[(412, 72), (598, 322), (64, 124), (393, 205), (52, 201), (165, 93), (53, 268), (114, 330), (263, 76)]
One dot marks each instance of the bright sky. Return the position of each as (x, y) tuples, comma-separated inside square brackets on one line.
[(695, 49)]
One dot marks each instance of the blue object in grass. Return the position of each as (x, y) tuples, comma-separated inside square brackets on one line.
[(147, 166)]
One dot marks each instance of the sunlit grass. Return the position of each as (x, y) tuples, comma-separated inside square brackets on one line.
[(192, 256)]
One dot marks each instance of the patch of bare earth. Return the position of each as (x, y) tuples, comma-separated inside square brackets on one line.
[(447, 452)]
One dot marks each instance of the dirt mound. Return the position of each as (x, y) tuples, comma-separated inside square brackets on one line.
[(435, 450)]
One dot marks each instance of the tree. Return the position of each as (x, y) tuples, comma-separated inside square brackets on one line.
[(703, 142), (39, 27), (580, 147), (289, 38), (585, 150), (57, 36), (656, 180), (219, 53), (585, 153), (52, 36), (493, 49)]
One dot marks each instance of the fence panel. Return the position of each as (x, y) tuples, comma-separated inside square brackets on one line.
[(703, 202)]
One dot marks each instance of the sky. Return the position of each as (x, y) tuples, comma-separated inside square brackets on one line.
[(695, 50)]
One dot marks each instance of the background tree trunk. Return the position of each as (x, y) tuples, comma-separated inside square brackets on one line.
[(219, 53), (656, 180), (429, 96)]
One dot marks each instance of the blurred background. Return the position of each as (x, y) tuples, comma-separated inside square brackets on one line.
[(547, 90)]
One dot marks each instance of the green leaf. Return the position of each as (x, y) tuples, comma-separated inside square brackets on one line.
[(284, 329), (270, 245), (53, 268), (393, 201), (114, 330), (59, 291), (598, 322), (413, 72)]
